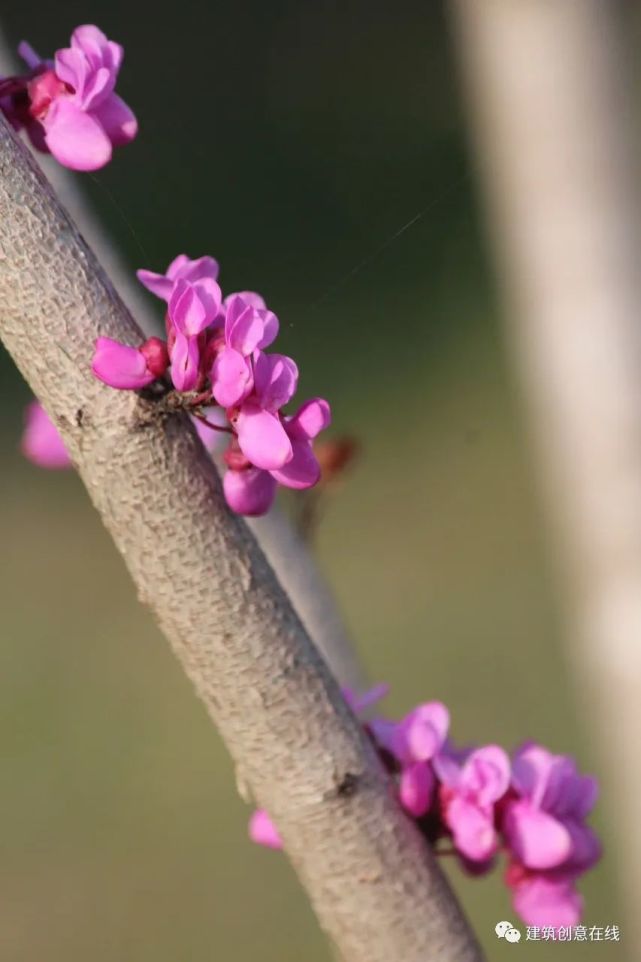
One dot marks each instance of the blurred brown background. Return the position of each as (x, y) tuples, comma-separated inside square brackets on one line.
[(293, 141)]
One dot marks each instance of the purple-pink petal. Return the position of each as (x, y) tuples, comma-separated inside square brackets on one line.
[(275, 380), (472, 829), (41, 443), (537, 839), (360, 703), (486, 773), (415, 788), (231, 377), (117, 120), (262, 438), (75, 138), (186, 309), (119, 365), (243, 326), (422, 732), (545, 901), (29, 55), (201, 268), (302, 470), (263, 831), (249, 492), (185, 362), (158, 284), (311, 418)]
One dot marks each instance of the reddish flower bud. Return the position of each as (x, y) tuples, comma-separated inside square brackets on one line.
[(156, 355), (42, 90)]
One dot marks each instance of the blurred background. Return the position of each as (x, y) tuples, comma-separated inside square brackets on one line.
[(318, 150)]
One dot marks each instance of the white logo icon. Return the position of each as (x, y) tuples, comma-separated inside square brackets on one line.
[(505, 930)]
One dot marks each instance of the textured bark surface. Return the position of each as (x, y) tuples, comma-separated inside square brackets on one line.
[(376, 888), (554, 126)]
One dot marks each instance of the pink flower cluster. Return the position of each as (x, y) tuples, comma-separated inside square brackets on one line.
[(68, 106), (532, 807), (216, 353)]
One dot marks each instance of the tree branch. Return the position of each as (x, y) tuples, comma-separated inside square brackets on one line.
[(375, 886)]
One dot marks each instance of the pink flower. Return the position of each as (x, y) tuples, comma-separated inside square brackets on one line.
[(69, 106), (41, 442), (250, 492), (129, 368), (193, 307), (247, 328), (263, 831), (544, 822), (269, 438), (544, 898), (418, 736), (262, 435), (182, 268), (413, 742), (468, 794), (361, 703)]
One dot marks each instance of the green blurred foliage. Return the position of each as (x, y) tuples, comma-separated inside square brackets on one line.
[(294, 141)]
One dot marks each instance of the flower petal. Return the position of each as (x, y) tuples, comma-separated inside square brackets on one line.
[(249, 492), (243, 326), (544, 901), (537, 839), (302, 470), (472, 828), (263, 831), (311, 418), (117, 119), (120, 366), (262, 438), (486, 773), (196, 270), (41, 443), (275, 380), (186, 309), (185, 362), (75, 138), (231, 377), (415, 789), (71, 67), (158, 284), (422, 732)]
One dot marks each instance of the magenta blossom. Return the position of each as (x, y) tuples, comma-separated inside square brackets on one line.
[(413, 742), (251, 490), (475, 802), (41, 442), (262, 435), (544, 821), (544, 898), (129, 368), (193, 307), (263, 831), (182, 268), (468, 795), (216, 351), (69, 106), (247, 328)]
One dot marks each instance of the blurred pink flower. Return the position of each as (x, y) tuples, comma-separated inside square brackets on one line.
[(41, 443), (468, 793), (69, 106)]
